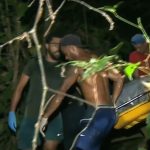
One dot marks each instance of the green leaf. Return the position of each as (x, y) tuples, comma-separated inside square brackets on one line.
[(130, 69), (108, 8), (111, 9), (118, 4), (94, 65), (115, 49)]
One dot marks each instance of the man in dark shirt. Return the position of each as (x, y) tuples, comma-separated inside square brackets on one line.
[(32, 75)]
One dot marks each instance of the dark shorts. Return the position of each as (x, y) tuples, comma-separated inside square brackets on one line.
[(72, 112), (96, 129), (26, 132)]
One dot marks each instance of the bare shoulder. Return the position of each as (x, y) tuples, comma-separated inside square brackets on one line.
[(114, 71), (72, 70)]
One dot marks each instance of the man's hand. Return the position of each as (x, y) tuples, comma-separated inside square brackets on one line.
[(43, 124), (12, 121)]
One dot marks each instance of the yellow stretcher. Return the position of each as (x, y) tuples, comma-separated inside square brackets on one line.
[(134, 115)]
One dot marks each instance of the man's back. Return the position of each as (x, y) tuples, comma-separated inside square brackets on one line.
[(96, 87)]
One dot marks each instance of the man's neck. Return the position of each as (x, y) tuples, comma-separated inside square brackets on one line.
[(50, 59), (87, 56)]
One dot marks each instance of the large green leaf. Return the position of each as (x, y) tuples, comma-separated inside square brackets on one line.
[(130, 69), (95, 65), (115, 50)]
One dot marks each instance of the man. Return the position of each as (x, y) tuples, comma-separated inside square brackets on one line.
[(140, 54), (32, 76), (96, 92)]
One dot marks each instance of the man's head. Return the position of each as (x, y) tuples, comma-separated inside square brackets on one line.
[(139, 42), (70, 46), (53, 47)]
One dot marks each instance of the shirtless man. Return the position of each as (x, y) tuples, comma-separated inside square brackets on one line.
[(95, 90)]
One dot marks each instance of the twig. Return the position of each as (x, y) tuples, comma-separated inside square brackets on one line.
[(125, 20), (70, 96), (31, 3), (33, 33), (52, 15), (44, 85), (25, 35), (104, 14)]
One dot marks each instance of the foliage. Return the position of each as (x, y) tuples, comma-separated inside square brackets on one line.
[(115, 50), (148, 125), (139, 25), (11, 59), (103, 63), (130, 69), (13, 56)]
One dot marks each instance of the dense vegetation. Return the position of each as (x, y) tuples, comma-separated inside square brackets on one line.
[(16, 17)]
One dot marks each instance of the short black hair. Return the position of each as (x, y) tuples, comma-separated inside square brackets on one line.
[(49, 37), (71, 39)]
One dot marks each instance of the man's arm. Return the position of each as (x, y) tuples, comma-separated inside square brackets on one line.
[(118, 80), (58, 98), (15, 100), (18, 92)]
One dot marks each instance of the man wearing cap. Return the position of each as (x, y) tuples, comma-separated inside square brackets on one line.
[(100, 115), (140, 54)]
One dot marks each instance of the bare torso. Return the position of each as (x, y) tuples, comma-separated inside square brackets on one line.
[(96, 89)]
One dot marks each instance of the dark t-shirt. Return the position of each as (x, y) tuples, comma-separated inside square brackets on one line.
[(53, 80)]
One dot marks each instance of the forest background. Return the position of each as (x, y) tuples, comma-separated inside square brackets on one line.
[(16, 17)]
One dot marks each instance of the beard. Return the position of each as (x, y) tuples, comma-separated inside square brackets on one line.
[(55, 55)]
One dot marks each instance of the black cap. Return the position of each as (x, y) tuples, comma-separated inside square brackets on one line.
[(71, 39)]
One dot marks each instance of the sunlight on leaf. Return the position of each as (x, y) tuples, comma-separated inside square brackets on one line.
[(118, 4), (95, 65), (111, 9), (130, 69), (108, 8), (115, 49)]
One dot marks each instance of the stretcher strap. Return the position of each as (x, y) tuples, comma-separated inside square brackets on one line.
[(132, 100)]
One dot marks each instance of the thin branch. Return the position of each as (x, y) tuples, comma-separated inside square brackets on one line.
[(70, 96), (104, 14), (31, 3), (45, 89), (52, 15), (140, 25), (25, 35), (125, 20), (39, 14), (33, 33)]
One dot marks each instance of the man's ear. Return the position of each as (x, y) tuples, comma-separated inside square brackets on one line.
[(74, 49)]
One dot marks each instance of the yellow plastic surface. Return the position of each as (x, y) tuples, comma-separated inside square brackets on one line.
[(133, 116)]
